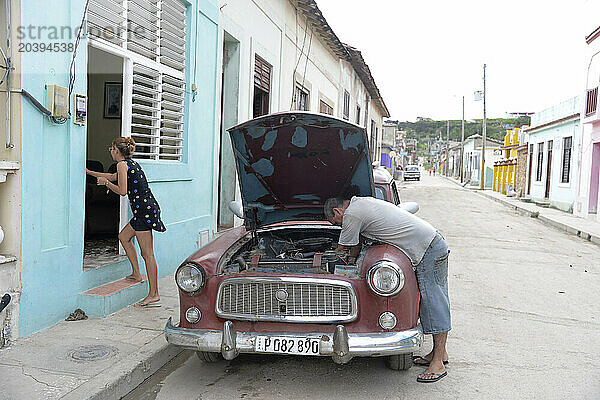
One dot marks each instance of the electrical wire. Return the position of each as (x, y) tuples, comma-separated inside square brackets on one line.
[(307, 54), (298, 61), (72, 67)]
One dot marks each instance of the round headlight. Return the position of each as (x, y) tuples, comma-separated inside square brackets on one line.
[(191, 277), (385, 278), (387, 320), (193, 315)]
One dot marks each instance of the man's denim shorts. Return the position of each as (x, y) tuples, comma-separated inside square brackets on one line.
[(432, 277)]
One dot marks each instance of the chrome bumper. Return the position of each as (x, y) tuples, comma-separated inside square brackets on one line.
[(340, 345)]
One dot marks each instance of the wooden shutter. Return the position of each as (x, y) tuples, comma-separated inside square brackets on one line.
[(106, 20), (172, 34), (262, 74), (566, 162), (145, 111), (171, 118)]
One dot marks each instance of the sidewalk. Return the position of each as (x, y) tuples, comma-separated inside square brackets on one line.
[(97, 358), (586, 229)]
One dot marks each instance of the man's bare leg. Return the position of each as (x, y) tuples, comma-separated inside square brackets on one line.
[(437, 356)]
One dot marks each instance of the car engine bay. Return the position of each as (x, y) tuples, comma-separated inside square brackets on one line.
[(290, 250)]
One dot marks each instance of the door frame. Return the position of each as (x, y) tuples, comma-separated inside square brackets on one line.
[(550, 144)]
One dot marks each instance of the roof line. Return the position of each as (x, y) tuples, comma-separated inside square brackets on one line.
[(348, 53), (364, 73)]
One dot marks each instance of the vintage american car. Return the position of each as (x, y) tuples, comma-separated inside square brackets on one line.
[(276, 284)]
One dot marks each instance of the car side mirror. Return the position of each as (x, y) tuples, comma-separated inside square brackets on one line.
[(237, 209), (409, 206)]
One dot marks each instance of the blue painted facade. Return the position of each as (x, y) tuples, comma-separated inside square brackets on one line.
[(53, 171)]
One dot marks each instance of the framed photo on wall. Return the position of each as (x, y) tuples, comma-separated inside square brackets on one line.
[(113, 93)]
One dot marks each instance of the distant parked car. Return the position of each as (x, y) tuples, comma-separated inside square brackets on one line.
[(277, 285), (412, 172)]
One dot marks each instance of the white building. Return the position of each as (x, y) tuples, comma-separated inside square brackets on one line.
[(280, 55), (551, 170), (588, 146)]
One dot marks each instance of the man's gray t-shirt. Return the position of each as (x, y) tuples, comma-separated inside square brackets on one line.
[(385, 222)]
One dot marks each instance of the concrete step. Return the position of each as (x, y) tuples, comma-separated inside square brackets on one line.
[(112, 297)]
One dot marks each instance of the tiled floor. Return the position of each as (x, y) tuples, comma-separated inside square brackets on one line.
[(99, 252)]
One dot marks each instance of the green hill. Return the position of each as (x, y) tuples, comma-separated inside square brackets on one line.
[(425, 128)]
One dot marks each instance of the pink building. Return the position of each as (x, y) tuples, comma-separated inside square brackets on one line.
[(588, 183)]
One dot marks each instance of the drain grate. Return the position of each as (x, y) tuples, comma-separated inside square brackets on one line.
[(93, 353)]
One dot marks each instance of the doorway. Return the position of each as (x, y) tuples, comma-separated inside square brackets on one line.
[(102, 208), (530, 169), (548, 169), (229, 117), (595, 179)]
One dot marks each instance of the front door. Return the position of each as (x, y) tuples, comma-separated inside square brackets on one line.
[(548, 169), (530, 167), (595, 179)]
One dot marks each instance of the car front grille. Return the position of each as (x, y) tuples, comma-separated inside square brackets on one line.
[(308, 300)]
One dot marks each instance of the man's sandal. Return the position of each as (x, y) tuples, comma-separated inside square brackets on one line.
[(437, 377), (423, 362)]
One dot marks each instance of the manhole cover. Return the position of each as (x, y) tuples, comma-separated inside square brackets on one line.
[(93, 353)]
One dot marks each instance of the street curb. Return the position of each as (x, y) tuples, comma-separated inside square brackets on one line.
[(543, 219), (127, 374)]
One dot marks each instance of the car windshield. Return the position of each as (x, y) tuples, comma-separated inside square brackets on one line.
[(412, 168)]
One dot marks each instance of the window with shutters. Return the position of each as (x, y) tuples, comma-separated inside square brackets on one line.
[(346, 111), (373, 140), (152, 35), (301, 98), (566, 160), (262, 86), (540, 162), (325, 108)]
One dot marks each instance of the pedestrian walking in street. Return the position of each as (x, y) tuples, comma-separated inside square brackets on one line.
[(423, 245), (131, 181)]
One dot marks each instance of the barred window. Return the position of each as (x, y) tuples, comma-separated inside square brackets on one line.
[(301, 98), (346, 111), (540, 161), (566, 159), (325, 108)]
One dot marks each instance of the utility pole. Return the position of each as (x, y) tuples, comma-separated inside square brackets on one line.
[(482, 178), (462, 140), (447, 146)]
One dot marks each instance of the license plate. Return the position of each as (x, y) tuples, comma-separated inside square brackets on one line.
[(287, 345)]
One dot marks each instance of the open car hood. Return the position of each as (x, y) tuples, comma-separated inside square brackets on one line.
[(290, 163)]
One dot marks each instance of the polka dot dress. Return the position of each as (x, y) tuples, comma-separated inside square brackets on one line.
[(146, 212)]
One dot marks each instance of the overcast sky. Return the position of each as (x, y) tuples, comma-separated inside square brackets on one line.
[(426, 54)]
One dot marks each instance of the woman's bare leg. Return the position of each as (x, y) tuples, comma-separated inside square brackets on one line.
[(147, 248), (126, 238)]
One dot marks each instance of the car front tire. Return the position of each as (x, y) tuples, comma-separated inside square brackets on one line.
[(399, 362), (209, 357)]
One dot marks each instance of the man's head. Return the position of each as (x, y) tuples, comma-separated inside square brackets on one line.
[(334, 210)]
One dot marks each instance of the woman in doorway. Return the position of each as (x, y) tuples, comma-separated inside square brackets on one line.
[(131, 181)]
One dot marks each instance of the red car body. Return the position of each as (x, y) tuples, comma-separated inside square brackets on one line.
[(344, 328)]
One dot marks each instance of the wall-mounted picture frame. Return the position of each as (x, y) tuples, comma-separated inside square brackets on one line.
[(113, 94)]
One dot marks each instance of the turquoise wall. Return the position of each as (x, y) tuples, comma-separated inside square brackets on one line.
[(54, 171)]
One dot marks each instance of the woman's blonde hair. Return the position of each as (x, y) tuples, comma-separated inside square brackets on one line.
[(125, 145)]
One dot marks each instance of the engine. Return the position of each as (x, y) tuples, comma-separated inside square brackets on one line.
[(290, 251)]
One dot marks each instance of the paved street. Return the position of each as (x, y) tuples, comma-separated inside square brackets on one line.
[(526, 321)]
